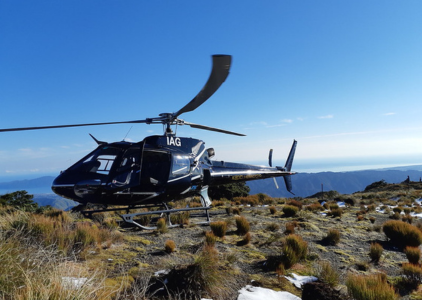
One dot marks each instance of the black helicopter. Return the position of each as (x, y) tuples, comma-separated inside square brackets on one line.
[(161, 168)]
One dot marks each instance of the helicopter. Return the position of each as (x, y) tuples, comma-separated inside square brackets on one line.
[(160, 168)]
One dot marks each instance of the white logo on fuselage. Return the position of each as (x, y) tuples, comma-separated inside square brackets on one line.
[(174, 141)]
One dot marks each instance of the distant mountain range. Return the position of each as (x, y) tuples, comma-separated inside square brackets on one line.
[(307, 184), (304, 184), (41, 189)]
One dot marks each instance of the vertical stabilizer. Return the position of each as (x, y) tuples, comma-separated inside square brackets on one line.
[(289, 161)]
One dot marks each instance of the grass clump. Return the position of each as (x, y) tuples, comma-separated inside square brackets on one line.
[(290, 210), (273, 210), (293, 250), (375, 252), (413, 254), (245, 240), (180, 218), (333, 237), (242, 225), (412, 275), (219, 228), (169, 246), (327, 274), (162, 225), (336, 212), (32, 270), (370, 287), (314, 207), (210, 239), (402, 234), (290, 228), (205, 275), (273, 227)]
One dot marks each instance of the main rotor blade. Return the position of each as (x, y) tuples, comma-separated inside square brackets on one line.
[(72, 125), (220, 71), (213, 129)]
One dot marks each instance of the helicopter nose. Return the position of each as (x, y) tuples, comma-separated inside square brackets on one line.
[(63, 187)]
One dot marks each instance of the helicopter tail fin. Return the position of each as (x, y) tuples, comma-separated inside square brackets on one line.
[(287, 166), (289, 161)]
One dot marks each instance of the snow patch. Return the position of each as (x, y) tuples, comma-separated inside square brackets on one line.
[(250, 292), (298, 280)]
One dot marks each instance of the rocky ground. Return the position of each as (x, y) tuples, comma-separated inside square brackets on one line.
[(144, 249)]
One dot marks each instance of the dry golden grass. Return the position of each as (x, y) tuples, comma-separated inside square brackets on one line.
[(370, 287)]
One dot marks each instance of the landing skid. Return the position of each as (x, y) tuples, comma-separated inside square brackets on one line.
[(130, 217)]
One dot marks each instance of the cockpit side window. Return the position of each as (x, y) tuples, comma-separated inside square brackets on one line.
[(100, 161), (180, 166)]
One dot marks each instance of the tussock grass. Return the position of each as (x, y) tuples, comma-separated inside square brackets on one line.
[(219, 228), (413, 254), (412, 274), (333, 237), (326, 273), (370, 287), (180, 218), (314, 207), (31, 270), (205, 276), (402, 234), (242, 224), (290, 210), (245, 240), (169, 246), (293, 250), (375, 252), (290, 228), (58, 230), (162, 226), (210, 239), (272, 227)]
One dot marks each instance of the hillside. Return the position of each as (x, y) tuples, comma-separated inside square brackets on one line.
[(133, 264)]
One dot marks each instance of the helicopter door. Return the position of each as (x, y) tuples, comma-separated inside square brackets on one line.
[(128, 172), (155, 170)]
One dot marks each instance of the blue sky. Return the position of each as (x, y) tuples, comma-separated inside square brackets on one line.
[(341, 77)]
